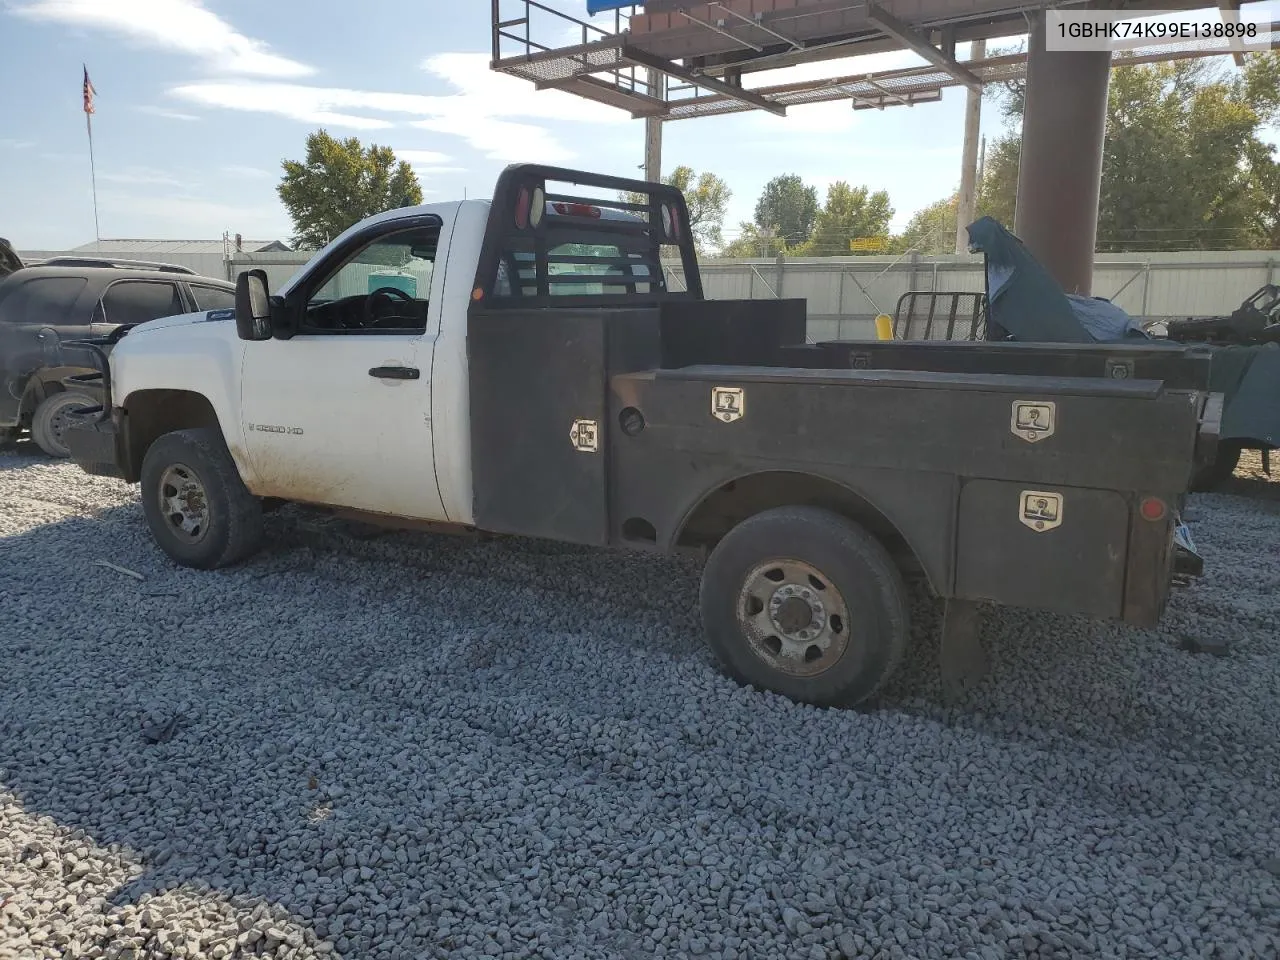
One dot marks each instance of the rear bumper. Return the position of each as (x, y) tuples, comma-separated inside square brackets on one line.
[(97, 446)]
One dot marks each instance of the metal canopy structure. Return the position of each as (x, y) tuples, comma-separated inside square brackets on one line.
[(676, 59), (667, 60)]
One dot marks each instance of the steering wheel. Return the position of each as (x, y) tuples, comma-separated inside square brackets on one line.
[(382, 293)]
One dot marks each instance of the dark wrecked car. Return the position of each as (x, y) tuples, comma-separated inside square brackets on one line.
[(44, 307)]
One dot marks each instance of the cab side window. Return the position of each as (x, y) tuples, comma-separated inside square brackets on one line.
[(45, 300), (212, 298), (137, 301), (384, 286)]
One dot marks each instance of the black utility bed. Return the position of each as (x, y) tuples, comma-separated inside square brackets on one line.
[(1179, 367)]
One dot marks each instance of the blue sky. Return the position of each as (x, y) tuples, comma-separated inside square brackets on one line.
[(198, 102)]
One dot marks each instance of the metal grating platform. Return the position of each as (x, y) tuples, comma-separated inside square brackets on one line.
[(632, 72)]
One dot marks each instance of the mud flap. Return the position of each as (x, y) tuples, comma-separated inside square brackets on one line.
[(963, 658)]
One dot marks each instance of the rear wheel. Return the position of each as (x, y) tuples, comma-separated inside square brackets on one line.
[(50, 421), (806, 603), (199, 510), (1213, 475)]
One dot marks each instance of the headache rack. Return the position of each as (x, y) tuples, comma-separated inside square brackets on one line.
[(549, 242), (113, 263)]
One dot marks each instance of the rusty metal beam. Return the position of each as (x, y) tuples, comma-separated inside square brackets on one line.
[(707, 83), (1229, 7), (908, 37), (757, 24)]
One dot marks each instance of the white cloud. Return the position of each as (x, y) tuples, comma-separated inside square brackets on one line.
[(9, 143), (166, 113), (422, 158), (237, 170), (490, 111), (183, 26), (191, 216), (147, 176), (505, 141), (311, 105), (429, 163)]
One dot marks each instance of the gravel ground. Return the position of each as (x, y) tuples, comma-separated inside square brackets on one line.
[(411, 747)]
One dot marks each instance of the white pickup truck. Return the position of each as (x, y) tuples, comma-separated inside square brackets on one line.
[(525, 366)]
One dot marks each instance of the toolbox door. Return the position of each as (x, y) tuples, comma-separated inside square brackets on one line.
[(1052, 548), (539, 437)]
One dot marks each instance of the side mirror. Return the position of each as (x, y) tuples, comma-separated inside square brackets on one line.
[(253, 306)]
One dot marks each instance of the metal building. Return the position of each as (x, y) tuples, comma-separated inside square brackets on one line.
[(209, 258)]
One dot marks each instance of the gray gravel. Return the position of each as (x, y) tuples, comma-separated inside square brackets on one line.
[(410, 747)]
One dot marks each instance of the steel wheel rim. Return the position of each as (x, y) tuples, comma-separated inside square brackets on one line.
[(59, 421), (793, 617), (183, 503)]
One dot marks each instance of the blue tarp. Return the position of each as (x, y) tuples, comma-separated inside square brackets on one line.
[(600, 6), (1022, 298), (1027, 303), (1104, 321)]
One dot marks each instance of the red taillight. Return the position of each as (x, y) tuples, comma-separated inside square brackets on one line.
[(576, 210), (1152, 508), (670, 223), (522, 208)]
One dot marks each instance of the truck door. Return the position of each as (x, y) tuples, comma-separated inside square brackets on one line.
[(340, 414)]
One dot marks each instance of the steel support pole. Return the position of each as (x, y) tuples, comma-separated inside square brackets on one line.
[(1063, 126)]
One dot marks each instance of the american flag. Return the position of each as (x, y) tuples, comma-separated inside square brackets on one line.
[(89, 92)]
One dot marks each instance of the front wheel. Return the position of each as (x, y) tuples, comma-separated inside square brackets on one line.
[(806, 603), (199, 510)]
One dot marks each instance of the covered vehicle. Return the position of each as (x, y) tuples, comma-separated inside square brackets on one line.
[(1025, 303)]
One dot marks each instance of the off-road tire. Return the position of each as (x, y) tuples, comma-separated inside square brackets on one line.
[(51, 418), (234, 527), (854, 562)]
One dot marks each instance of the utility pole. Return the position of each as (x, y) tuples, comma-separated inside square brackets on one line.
[(967, 207), (653, 132)]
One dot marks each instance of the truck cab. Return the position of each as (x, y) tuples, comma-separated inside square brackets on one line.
[(545, 364)]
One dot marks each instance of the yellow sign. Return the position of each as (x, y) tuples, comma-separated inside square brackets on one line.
[(867, 244)]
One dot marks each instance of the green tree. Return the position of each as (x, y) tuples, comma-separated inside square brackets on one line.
[(340, 183), (850, 212), (707, 197), (931, 230), (752, 241), (997, 195), (1185, 164), (788, 207)]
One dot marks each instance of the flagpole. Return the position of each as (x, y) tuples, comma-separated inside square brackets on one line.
[(93, 176)]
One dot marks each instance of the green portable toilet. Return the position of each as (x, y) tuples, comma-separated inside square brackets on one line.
[(401, 281)]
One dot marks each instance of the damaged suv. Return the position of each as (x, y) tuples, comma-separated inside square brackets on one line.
[(44, 306)]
